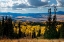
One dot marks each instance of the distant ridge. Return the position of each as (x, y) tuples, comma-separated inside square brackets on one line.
[(34, 15), (59, 12)]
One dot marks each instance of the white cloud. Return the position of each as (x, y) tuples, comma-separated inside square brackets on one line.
[(25, 3), (6, 3), (24, 9), (28, 3), (5, 9), (60, 3), (9, 3), (20, 6), (53, 4)]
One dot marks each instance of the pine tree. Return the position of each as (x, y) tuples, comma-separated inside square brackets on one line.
[(5, 29), (39, 32), (1, 30), (19, 29), (50, 31), (54, 24), (2, 21), (34, 34), (10, 27), (61, 31), (48, 26), (2, 25)]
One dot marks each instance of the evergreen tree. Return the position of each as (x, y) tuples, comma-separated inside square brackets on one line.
[(34, 34), (48, 26), (39, 32), (50, 31), (10, 27), (1, 30), (54, 24), (61, 31), (5, 29), (20, 33), (19, 29), (3, 21), (15, 34), (2, 25)]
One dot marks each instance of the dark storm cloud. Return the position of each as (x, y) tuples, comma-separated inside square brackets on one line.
[(22, 6), (37, 2), (33, 4)]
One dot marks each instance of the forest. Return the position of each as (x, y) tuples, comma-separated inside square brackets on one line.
[(50, 29)]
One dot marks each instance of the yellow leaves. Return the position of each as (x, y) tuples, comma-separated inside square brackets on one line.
[(23, 29), (14, 29), (17, 30), (24, 23), (16, 24), (36, 33), (58, 26), (42, 29), (37, 28), (29, 29)]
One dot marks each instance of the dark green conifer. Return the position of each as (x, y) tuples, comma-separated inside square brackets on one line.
[(61, 31), (39, 32), (50, 31), (34, 34)]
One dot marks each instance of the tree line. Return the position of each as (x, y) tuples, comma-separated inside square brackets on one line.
[(50, 31), (6, 28)]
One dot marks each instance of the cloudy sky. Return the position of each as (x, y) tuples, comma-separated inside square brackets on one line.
[(30, 6)]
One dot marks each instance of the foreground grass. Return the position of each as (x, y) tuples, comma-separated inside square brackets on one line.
[(32, 40)]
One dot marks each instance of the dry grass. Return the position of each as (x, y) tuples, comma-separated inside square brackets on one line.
[(32, 40)]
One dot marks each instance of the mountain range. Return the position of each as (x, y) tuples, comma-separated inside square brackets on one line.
[(30, 15)]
